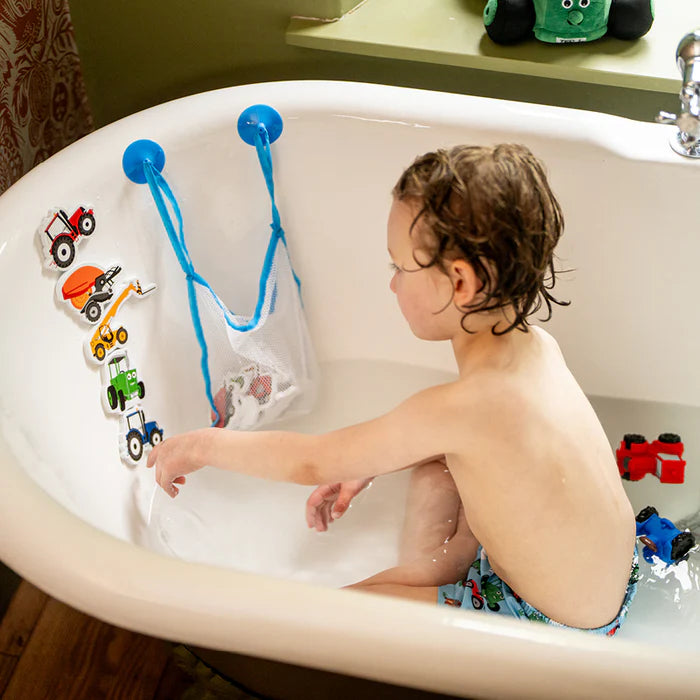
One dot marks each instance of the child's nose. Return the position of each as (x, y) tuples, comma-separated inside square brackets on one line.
[(392, 283)]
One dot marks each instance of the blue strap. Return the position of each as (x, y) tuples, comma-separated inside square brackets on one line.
[(157, 183), (262, 146)]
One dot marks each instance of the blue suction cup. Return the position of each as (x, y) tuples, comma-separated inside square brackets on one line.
[(259, 114), (136, 154)]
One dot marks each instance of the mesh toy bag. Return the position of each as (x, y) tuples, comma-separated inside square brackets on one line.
[(255, 368)]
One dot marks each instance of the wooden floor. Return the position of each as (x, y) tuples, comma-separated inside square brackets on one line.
[(49, 651), (53, 652)]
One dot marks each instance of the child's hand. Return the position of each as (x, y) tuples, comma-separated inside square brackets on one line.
[(330, 501), (174, 458)]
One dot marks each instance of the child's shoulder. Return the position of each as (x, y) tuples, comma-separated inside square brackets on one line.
[(485, 396), (547, 338), (494, 391)]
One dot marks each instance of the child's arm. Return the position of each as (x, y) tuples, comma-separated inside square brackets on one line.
[(419, 428), (329, 502)]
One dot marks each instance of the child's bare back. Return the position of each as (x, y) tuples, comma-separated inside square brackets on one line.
[(548, 505)]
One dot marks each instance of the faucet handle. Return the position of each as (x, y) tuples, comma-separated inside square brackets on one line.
[(687, 123), (666, 118), (685, 141)]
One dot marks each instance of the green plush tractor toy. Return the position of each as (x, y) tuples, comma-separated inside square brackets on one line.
[(567, 21)]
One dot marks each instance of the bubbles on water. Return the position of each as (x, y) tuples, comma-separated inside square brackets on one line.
[(675, 580), (667, 606)]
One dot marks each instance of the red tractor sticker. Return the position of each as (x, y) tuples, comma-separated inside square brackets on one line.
[(61, 232)]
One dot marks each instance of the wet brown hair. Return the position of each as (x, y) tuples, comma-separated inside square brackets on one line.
[(493, 208)]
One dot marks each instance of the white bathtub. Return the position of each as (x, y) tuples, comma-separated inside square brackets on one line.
[(230, 564)]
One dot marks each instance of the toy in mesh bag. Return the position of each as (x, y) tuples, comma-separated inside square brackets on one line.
[(255, 368)]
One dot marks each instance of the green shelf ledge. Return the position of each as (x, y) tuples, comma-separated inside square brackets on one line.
[(451, 32)]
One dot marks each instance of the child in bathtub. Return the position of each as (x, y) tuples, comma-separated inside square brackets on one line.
[(516, 506)]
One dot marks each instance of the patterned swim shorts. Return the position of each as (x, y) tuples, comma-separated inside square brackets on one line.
[(482, 589)]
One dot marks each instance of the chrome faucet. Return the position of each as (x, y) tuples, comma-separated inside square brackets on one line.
[(687, 140)]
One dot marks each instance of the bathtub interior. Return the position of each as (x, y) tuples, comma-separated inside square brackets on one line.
[(627, 336)]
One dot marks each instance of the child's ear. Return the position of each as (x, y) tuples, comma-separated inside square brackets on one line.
[(465, 281)]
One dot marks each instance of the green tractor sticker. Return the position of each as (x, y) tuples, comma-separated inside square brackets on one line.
[(122, 382)]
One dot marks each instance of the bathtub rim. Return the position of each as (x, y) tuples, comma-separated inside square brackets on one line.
[(307, 96)]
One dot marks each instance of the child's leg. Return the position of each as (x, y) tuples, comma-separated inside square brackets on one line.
[(432, 512), (437, 545)]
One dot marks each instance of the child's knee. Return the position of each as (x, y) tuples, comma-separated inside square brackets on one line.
[(432, 474)]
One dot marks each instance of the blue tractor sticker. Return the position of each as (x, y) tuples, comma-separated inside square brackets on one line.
[(140, 433)]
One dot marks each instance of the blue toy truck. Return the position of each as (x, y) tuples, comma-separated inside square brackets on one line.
[(139, 432), (661, 537)]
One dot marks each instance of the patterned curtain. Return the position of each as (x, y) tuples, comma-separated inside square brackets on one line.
[(43, 104)]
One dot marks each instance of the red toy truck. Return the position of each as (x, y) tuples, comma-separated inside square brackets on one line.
[(664, 457), (64, 231)]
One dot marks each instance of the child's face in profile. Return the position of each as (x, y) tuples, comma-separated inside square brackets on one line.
[(424, 294)]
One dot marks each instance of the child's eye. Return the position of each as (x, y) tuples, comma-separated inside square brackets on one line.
[(394, 267)]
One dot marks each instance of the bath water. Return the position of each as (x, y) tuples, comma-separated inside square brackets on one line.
[(259, 526), (248, 524)]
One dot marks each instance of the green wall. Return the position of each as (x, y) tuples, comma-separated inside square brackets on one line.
[(138, 53)]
